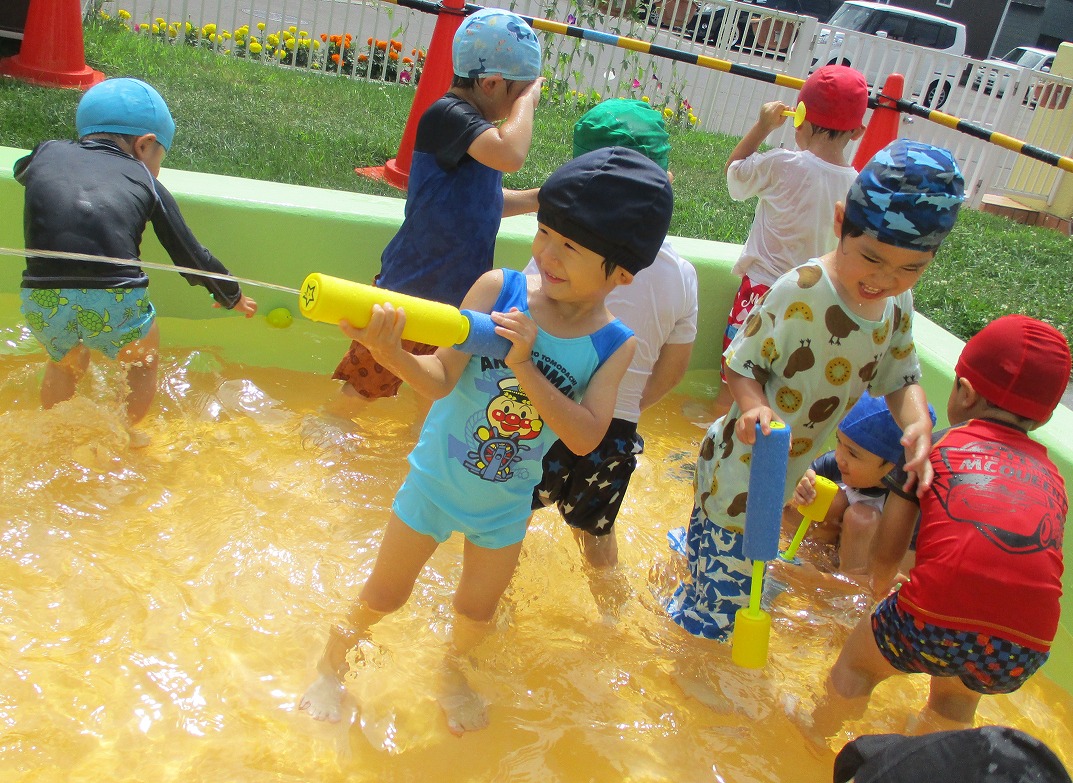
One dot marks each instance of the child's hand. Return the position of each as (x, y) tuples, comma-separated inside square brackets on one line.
[(521, 330), (771, 115), (244, 305), (383, 334), (533, 91), (745, 429), (916, 439), (805, 491)]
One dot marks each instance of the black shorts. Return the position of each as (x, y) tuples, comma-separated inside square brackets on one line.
[(589, 489)]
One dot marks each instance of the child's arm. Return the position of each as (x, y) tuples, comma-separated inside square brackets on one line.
[(519, 202), (909, 407), (667, 372), (771, 117), (504, 147), (749, 395), (580, 426), (891, 542)]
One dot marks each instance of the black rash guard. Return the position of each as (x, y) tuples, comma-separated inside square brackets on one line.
[(91, 197)]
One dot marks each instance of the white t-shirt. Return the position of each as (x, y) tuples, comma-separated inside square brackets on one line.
[(660, 306), (795, 215)]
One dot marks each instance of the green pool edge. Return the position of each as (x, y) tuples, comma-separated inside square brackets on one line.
[(279, 233)]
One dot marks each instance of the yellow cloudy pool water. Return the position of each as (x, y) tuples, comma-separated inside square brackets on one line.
[(162, 609)]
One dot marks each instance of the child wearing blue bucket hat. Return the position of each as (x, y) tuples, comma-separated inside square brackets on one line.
[(867, 447), (95, 197), (455, 198), (826, 332)]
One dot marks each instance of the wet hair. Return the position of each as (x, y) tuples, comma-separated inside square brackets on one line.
[(834, 134), (463, 82), (850, 229)]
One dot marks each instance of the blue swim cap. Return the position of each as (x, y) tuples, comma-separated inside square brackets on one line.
[(908, 195), (492, 41), (871, 426), (127, 106)]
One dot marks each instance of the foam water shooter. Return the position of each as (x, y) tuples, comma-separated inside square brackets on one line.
[(798, 114), (763, 518), (811, 512), (331, 299)]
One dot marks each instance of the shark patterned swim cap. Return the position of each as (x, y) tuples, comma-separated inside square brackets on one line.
[(908, 195)]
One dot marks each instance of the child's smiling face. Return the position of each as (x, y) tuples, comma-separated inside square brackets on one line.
[(860, 468), (569, 270)]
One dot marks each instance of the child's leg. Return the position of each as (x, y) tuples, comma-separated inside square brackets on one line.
[(485, 576), (859, 669), (951, 705), (859, 525), (403, 553), (63, 376), (599, 551), (140, 359)]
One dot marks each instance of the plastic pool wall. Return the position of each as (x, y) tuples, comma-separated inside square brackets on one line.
[(279, 233)]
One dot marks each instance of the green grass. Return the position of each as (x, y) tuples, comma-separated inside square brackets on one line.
[(249, 120)]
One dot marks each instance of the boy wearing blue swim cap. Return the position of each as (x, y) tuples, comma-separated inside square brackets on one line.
[(455, 198), (95, 197), (867, 447)]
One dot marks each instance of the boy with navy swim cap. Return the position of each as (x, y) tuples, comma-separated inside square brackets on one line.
[(826, 332), (981, 605), (660, 306), (602, 218), (455, 198), (796, 190), (867, 447), (95, 197)]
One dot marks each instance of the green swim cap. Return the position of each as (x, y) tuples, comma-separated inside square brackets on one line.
[(623, 122)]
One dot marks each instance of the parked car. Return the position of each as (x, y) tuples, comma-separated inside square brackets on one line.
[(13, 18), (1024, 58), (750, 30), (672, 14), (896, 24)]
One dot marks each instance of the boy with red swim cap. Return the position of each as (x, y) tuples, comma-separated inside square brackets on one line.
[(980, 608), (796, 190)]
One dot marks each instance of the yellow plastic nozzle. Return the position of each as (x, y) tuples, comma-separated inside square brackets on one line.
[(331, 299), (817, 509), (798, 114), (752, 629)]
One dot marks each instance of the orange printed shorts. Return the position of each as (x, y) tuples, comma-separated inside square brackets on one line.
[(367, 376)]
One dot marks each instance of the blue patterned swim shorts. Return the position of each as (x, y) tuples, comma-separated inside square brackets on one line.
[(985, 664), (104, 319)]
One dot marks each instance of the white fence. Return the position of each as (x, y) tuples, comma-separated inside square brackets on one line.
[(1005, 100)]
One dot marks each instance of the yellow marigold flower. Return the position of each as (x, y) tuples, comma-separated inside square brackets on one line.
[(208, 29), (189, 27), (160, 22), (156, 29), (289, 43), (212, 37), (244, 29), (692, 119), (105, 16), (273, 40), (260, 25), (172, 31), (668, 112), (303, 34), (645, 98), (225, 35), (292, 29), (123, 13), (316, 44), (255, 47)]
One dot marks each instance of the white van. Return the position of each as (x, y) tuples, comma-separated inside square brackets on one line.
[(892, 23)]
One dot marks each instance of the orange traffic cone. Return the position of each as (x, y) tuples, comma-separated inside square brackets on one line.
[(53, 53), (883, 126)]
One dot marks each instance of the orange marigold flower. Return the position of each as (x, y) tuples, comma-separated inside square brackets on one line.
[(407, 60), (324, 37), (396, 45), (335, 58), (393, 55), (363, 58), (369, 40), (381, 45)]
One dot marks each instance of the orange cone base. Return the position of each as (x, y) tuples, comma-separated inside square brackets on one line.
[(395, 176), (81, 79), (372, 172)]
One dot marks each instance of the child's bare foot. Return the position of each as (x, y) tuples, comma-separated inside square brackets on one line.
[(323, 700), (463, 707), (804, 722), (139, 439), (696, 683)]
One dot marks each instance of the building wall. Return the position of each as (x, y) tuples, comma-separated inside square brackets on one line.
[(1022, 28)]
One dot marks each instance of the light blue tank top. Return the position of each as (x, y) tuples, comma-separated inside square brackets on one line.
[(480, 451)]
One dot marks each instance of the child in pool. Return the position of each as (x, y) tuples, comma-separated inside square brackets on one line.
[(465, 141), (826, 332), (868, 446), (95, 197), (602, 218), (981, 605), (796, 190)]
